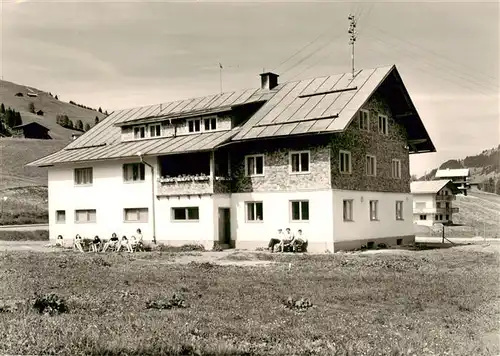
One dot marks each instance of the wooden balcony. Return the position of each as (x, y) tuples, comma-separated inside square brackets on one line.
[(445, 197), (193, 185)]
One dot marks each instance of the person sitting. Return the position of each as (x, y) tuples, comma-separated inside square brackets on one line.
[(139, 241), (78, 243), (287, 239), (300, 241), (111, 243), (125, 243), (59, 241), (275, 240), (96, 243)]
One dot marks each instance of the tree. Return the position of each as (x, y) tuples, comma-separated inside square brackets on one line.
[(414, 178), (100, 110), (2, 109), (31, 107), (10, 117), (70, 123), (79, 125), (56, 97), (87, 127), (17, 119), (106, 113), (96, 120), (497, 188)]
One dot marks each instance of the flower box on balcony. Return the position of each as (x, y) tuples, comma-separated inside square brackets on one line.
[(182, 179)]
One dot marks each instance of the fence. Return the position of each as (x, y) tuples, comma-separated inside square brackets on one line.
[(456, 231)]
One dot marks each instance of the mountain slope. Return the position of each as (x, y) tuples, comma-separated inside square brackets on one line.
[(49, 105)]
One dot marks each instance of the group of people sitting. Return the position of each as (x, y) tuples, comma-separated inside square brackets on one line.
[(114, 243), (288, 239)]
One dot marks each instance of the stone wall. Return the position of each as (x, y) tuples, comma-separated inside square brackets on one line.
[(384, 147)]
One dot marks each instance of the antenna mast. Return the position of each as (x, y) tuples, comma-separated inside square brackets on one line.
[(220, 76), (352, 39)]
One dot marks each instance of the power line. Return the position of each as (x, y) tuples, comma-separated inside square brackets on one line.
[(328, 54)]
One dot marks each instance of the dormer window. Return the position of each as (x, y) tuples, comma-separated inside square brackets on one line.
[(210, 124), (155, 130), (139, 132), (194, 125)]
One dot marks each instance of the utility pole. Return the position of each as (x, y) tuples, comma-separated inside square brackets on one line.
[(352, 39)]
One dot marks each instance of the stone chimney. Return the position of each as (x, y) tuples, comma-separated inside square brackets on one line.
[(268, 80)]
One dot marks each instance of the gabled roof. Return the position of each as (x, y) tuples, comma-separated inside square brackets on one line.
[(30, 124), (329, 104), (326, 104), (432, 186), (448, 173)]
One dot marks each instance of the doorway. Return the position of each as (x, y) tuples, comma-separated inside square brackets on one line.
[(224, 228)]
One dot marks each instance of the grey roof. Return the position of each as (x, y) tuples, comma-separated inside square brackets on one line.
[(448, 173), (432, 186), (326, 104), (30, 124)]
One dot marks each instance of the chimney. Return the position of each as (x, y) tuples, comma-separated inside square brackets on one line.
[(268, 80)]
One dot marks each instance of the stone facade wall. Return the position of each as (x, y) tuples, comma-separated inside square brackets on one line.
[(384, 147), (277, 176)]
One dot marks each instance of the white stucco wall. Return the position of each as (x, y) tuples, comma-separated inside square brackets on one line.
[(108, 194), (276, 214), (362, 227)]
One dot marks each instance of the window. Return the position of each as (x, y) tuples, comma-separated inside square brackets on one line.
[(382, 124), (364, 120), (60, 216), (210, 124), (83, 176), (133, 172), (447, 205), (254, 211), (423, 217), (438, 205), (185, 214), (436, 217), (254, 165), (371, 166), (299, 162), (447, 217), (300, 210), (440, 217), (155, 130), (399, 210), (373, 210), (396, 168), (139, 132), (85, 216), (347, 209), (194, 125), (345, 162), (136, 214)]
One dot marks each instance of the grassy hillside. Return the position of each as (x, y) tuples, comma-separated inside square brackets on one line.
[(49, 105), (16, 153)]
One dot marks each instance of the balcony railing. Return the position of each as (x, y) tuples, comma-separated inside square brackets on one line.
[(445, 197), (192, 185)]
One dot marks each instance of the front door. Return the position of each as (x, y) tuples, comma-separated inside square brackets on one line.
[(224, 226)]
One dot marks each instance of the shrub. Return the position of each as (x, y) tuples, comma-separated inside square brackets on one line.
[(183, 248), (176, 301), (299, 305), (50, 304)]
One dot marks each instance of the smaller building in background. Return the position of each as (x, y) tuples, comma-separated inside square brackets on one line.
[(31, 130), (458, 176), (433, 201)]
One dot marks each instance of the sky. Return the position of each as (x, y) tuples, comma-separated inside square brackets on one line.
[(118, 54)]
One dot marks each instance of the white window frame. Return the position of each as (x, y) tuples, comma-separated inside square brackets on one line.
[(399, 210), (138, 212), (125, 180), (254, 174), (139, 128), (373, 206), (299, 153), (194, 125), (155, 126), (301, 218), (252, 206), (396, 173), (420, 217), (186, 208), (58, 213), (348, 154), (210, 120), (367, 163), (364, 118), (384, 120), (347, 210), (75, 175), (88, 211)]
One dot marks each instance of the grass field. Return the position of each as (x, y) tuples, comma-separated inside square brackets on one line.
[(434, 302), (24, 205)]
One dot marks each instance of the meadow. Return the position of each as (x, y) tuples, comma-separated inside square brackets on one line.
[(433, 302)]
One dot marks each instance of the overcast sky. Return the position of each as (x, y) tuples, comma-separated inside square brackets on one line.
[(124, 54)]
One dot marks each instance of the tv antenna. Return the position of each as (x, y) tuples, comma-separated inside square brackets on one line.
[(352, 38), (221, 68)]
